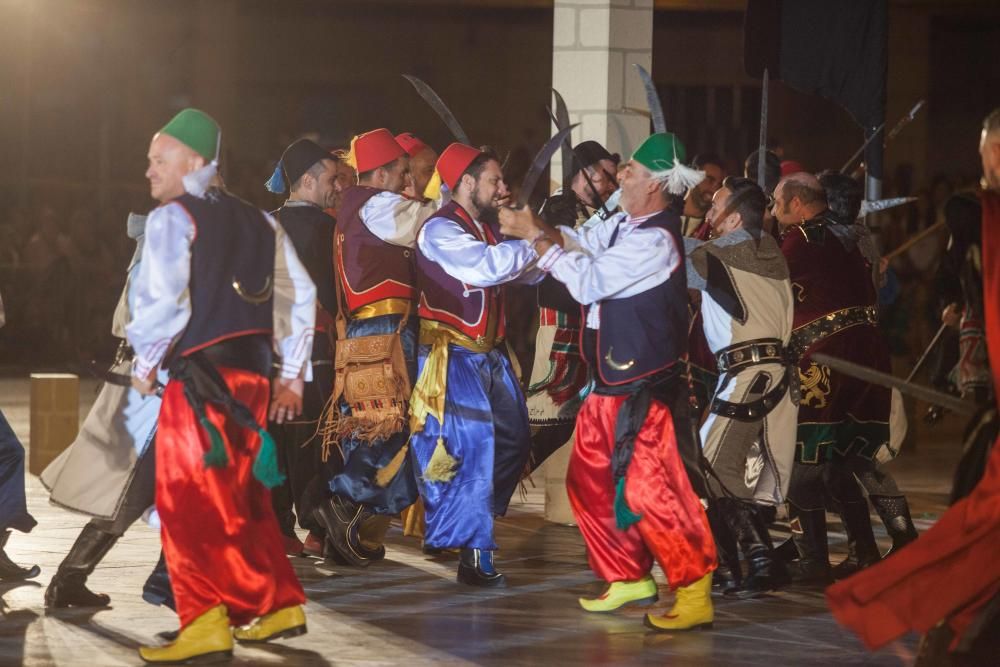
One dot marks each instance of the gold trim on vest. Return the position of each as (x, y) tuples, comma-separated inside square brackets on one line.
[(390, 306)]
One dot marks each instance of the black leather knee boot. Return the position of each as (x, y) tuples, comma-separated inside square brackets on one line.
[(813, 565), (764, 572), (68, 586)]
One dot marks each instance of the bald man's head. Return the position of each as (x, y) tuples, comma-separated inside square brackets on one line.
[(169, 161), (798, 198)]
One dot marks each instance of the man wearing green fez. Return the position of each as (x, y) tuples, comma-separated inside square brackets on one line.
[(628, 480), (219, 287)]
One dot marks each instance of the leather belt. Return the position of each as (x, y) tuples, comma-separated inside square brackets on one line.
[(758, 409), (250, 353), (736, 357), (808, 334)]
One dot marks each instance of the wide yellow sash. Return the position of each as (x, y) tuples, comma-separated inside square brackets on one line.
[(429, 393), (391, 306)]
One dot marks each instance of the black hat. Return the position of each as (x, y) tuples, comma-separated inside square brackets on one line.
[(295, 161), (587, 153)]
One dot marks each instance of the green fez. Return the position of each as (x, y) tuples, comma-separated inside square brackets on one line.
[(663, 154), (196, 130), (659, 152)]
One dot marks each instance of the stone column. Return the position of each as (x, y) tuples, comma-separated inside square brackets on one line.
[(594, 46), (55, 417)]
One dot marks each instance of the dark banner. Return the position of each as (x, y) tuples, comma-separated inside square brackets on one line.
[(838, 50)]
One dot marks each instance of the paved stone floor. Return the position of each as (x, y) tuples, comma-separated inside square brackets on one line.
[(408, 609)]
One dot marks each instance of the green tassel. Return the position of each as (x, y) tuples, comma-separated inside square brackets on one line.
[(624, 517), (265, 466), (216, 456)]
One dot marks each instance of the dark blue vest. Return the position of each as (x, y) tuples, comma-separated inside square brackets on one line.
[(232, 267), (642, 334)]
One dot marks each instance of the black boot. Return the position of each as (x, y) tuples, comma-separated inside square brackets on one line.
[(861, 548), (11, 571), (813, 565), (786, 551), (341, 519), (475, 568), (157, 589), (895, 514), (729, 573), (371, 536), (68, 587), (764, 572)]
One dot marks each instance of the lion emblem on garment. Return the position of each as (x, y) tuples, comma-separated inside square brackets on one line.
[(815, 385)]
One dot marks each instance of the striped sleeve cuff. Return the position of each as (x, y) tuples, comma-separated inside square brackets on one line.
[(144, 364), (550, 257)]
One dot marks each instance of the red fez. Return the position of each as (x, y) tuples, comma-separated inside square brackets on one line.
[(791, 167), (454, 161), (375, 149), (411, 144)]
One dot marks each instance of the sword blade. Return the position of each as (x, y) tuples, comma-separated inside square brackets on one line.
[(927, 352), (881, 379), (539, 163), (440, 108), (883, 205), (561, 120), (904, 121), (857, 153), (762, 144), (653, 100)]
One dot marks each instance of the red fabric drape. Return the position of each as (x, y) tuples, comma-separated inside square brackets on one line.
[(953, 569), (991, 282), (220, 536), (673, 528)]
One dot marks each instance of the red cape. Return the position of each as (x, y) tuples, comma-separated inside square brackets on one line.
[(953, 569)]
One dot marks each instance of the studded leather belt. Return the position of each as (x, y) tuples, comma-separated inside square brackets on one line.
[(736, 357), (808, 334)]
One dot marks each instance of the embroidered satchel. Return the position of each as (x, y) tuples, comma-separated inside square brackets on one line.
[(371, 375)]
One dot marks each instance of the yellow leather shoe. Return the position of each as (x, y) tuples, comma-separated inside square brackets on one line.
[(206, 639), (691, 611), (282, 624), (621, 593)]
